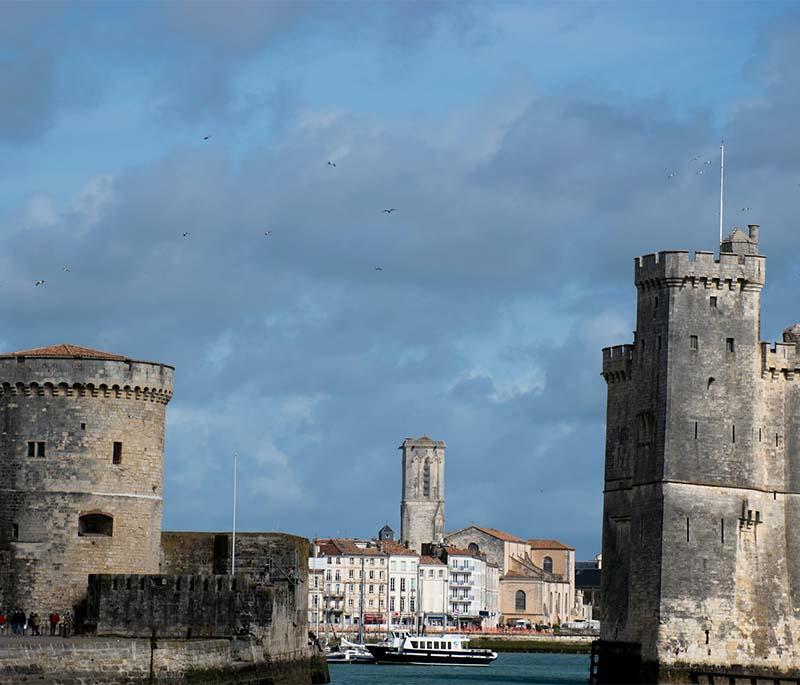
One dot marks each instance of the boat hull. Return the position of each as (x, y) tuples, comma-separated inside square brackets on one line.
[(427, 657)]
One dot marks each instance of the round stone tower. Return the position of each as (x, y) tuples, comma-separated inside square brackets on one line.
[(81, 471)]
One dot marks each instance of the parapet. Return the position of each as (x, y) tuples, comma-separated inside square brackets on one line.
[(70, 370), (673, 268), (780, 358), (617, 362)]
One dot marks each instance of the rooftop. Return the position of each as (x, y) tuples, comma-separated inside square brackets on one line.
[(499, 534), (548, 544), (396, 549), (430, 561), (68, 351)]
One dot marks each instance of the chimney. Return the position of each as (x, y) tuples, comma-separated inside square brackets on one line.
[(753, 232)]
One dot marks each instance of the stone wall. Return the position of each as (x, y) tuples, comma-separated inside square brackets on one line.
[(75, 410), (131, 662), (188, 606)]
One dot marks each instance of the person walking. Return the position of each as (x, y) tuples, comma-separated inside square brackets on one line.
[(67, 624), (33, 622), (2, 623), (54, 619)]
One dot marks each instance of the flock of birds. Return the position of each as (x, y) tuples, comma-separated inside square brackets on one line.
[(186, 234), (700, 172)]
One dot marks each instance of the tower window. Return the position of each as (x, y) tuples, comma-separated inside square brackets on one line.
[(426, 479), (520, 601), (117, 455), (83, 426), (693, 342), (96, 524), (729, 344), (733, 433), (713, 302), (15, 531), (695, 430), (35, 449), (547, 564)]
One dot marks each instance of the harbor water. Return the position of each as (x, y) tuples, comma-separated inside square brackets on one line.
[(508, 669)]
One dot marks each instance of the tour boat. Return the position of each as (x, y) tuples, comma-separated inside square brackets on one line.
[(438, 650)]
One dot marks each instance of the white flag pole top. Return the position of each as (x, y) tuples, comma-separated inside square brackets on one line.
[(721, 184)]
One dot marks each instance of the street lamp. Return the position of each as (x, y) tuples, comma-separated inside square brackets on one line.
[(414, 608)]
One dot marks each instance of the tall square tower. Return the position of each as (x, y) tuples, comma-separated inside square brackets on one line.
[(422, 504), (701, 548)]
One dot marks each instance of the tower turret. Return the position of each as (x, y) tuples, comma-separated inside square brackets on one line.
[(422, 505)]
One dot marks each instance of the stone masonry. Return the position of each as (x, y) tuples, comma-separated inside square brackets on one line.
[(701, 548), (422, 505), (72, 502)]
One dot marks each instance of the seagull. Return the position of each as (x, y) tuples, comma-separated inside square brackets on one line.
[(185, 234), (707, 162), (267, 232), (389, 211), (40, 282), (746, 209), (695, 158), (378, 268), (206, 137), (701, 172), (66, 269), (331, 163), (671, 174)]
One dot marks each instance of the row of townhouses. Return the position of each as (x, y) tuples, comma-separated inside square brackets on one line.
[(477, 577)]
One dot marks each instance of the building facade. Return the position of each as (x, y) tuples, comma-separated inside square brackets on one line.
[(422, 502), (81, 462), (701, 549)]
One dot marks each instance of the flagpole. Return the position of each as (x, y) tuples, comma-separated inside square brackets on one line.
[(233, 544), (721, 183)]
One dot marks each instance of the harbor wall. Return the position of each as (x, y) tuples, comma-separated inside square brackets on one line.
[(105, 661)]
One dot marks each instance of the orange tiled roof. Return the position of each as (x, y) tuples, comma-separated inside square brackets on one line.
[(430, 561), (64, 350), (396, 549), (548, 544), (499, 534)]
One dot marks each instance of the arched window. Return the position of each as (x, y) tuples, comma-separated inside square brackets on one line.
[(473, 548), (426, 479), (96, 524), (547, 564), (519, 601)]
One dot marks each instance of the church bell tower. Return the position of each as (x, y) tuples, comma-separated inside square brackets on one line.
[(422, 505)]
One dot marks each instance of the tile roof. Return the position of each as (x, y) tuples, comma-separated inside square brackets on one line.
[(64, 350), (424, 440), (396, 549), (548, 544), (499, 534), (430, 561), (460, 551)]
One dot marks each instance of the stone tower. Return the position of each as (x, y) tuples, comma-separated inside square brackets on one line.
[(701, 543), (422, 506), (81, 466)]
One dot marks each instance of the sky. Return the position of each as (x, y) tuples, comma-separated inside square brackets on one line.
[(531, 150)]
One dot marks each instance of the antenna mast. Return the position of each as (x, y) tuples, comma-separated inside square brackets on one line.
[(721, 184)]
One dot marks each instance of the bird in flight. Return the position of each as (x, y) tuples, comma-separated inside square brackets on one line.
[(186, 234), (701, 172), (378, 268), (206, 137), (66, 269), (267, 232), (707, 162), (746, 209), (39, 282), (331, 163), (671, 174), (390, 210)]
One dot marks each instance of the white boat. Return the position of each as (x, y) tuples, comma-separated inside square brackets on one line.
[(437, 650), (350, 653)]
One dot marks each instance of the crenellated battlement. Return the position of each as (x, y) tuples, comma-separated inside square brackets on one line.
[(63, 389), (676, 268), (780, 358), (617, 362)]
